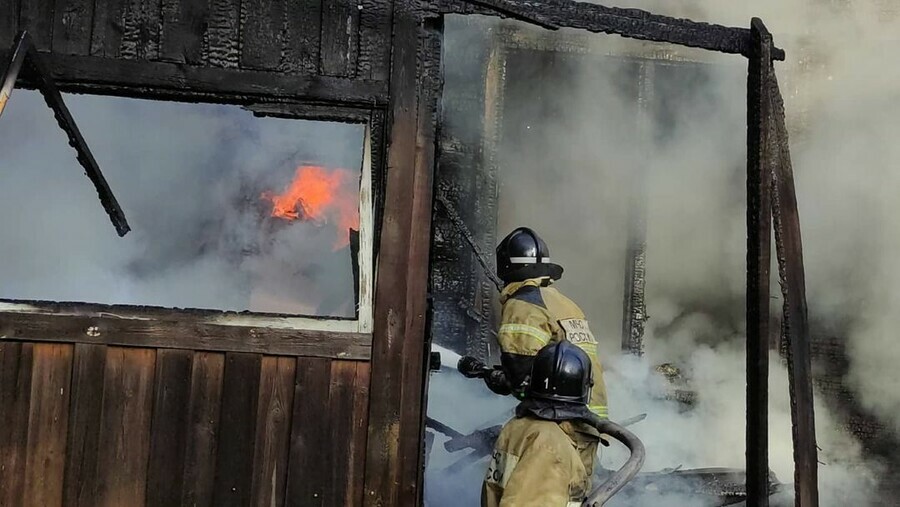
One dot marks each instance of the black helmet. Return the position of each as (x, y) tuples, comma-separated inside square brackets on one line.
[(523, 255), (561, 372)]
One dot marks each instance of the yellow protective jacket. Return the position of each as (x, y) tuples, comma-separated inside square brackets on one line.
[(537, 463), (535, 314)]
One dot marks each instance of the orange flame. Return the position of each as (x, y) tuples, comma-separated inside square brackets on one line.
[(321, 195)]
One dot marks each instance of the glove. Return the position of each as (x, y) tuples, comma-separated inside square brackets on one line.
[(496, 382), (471, 367)]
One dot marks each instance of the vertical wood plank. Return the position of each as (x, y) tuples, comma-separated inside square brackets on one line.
[(303, 21), (109, 28), (16, 361), (759, 231), (223, 32), (37, 18), (125, 426), (309, 466), (792, 275), (48, 423), (169, 427), (72, 27), (88, 369), (374, 61), (340, 37), (9, 22), (140, 41), (356, 469), (273, 430), (183, 28), (261, 34), (396, 319), (237, 430), (200, 456), (340, 417)]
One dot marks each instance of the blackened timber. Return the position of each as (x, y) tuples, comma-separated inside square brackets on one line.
[(54, 100), (261, 34), (142, 24), (108, 28), (9, 20), (789, 250), (181, 333), (374, 61), (303, 21), (163, 80), (759, 231), (630, 23), (183, 29), (311, 112), (37, 18), (340, 37), (222, 33), (16, 361), (72, 27)]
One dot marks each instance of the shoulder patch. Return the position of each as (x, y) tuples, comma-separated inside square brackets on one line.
[(530, 294)]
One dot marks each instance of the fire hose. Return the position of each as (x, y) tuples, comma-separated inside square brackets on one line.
[(620, 478)]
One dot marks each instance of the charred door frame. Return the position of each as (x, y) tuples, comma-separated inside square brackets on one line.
[(771, 199)]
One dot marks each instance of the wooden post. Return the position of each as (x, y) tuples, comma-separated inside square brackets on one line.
[(759, 157), (394, 446), (795, 326)]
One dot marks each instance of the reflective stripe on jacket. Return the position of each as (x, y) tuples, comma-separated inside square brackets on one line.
[(532, 311), (536, 463)]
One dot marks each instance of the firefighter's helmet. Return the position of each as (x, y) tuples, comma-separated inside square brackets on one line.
[(522, 255), (561, 372)]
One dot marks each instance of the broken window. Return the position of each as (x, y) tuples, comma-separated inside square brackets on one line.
[(228, 211)]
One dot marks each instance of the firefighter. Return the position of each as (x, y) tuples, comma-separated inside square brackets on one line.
[(535, 314), (537, 460)]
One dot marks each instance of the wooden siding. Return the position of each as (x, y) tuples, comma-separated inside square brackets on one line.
[(329, 44), (97, 425)]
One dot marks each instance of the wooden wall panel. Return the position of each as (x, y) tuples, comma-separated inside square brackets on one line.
[(223, 32), (302, 36), (203, 431), (374, 61), (108, 28), (358, 434), (169, 429), (125, 426), (237, 430), (15, 394), (9, 21), (88, 373), (72, 24), (262, 34), (273, 430), (47, 425), (183, 29), (309, 465), (37, 18), (141, 22), (340, 37)]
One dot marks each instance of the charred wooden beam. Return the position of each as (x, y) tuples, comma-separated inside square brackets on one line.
[(172, 81), (182, 332), (759, 230), (24, 53), (795, 326), (299, 111), (631, 23)]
